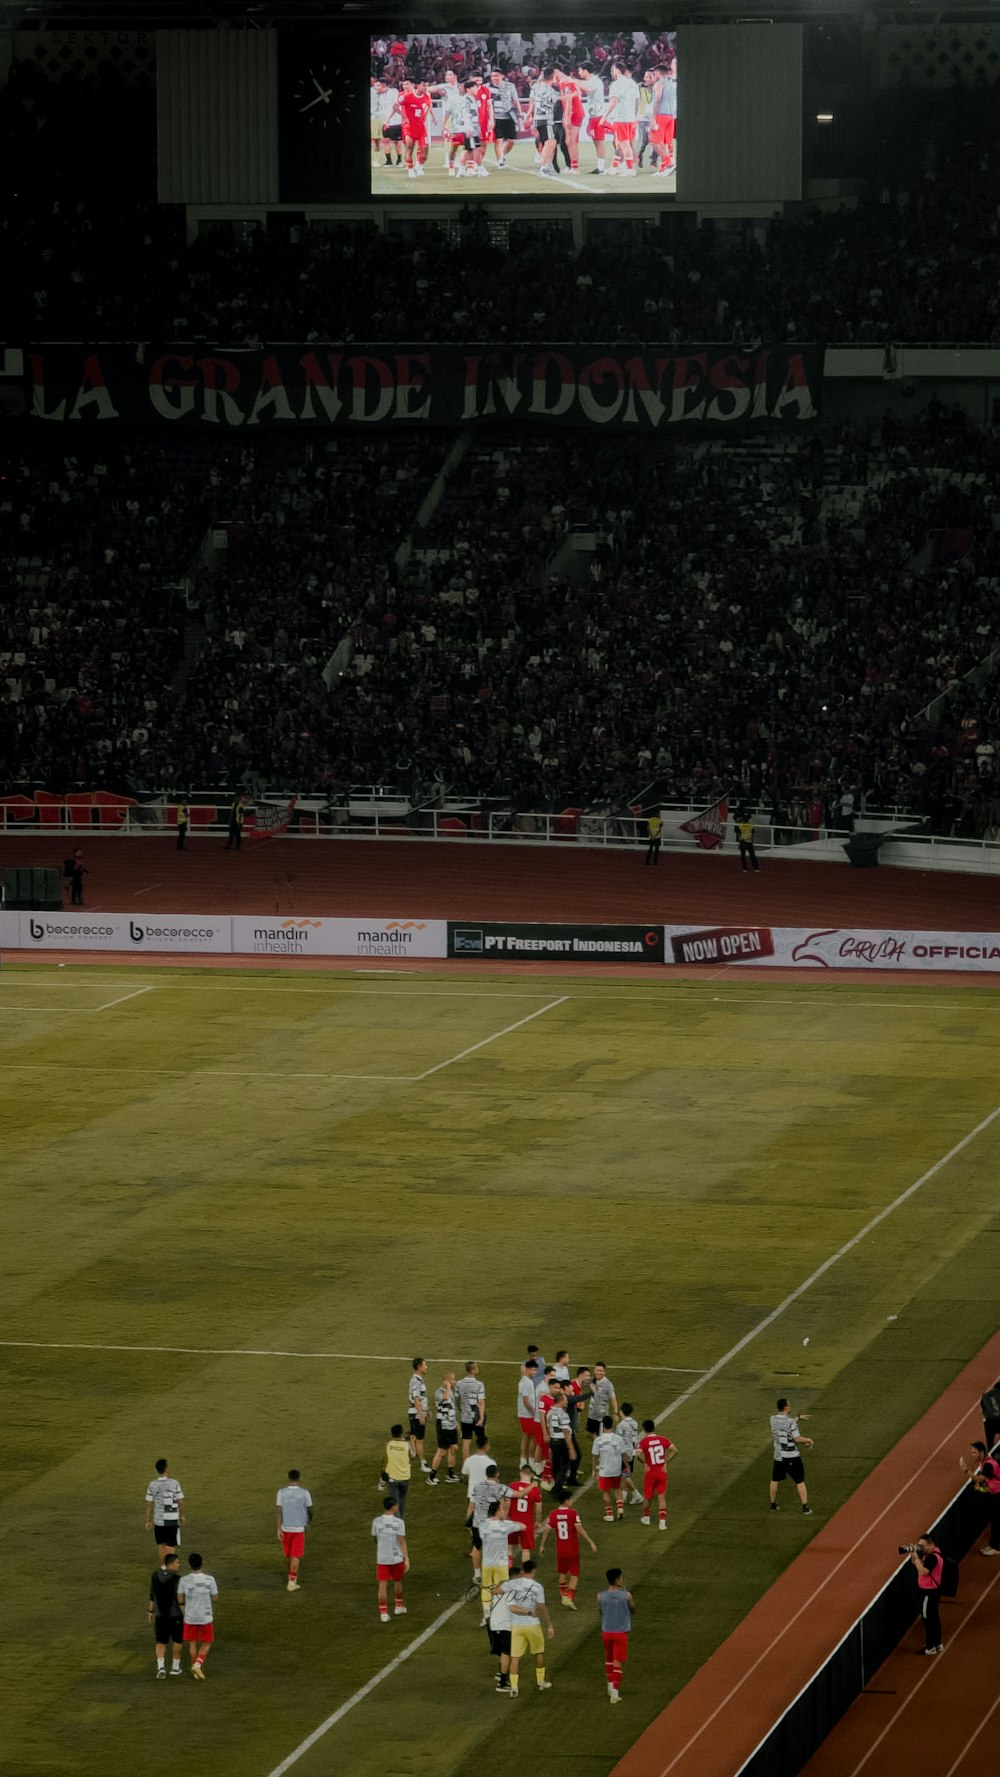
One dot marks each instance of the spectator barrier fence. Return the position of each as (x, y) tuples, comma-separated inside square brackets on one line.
[(798, 1734), (313, 818)]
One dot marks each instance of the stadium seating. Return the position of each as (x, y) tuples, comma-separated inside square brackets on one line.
[(566, 628)]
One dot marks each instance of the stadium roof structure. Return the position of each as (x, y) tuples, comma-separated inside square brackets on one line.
[(444, 15)]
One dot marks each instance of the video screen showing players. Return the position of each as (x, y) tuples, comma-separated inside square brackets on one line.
[(589, 113)]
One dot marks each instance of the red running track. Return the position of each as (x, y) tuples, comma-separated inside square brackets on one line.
[(716, 1722), (446, 880), (937, 1716)]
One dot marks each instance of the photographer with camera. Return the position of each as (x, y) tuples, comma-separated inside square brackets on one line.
[(928, 1563)]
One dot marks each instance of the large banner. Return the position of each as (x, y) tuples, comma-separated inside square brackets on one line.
[(122, 931), (289, 936), (833, 947), (476, 939), (632, 388)]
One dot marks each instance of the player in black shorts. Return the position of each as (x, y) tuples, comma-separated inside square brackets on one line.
[(166, 1615)]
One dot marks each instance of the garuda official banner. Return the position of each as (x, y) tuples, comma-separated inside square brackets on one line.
[(636, 388)]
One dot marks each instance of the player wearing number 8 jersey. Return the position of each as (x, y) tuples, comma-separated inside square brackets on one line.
[(655, 1451), (567, 1527)]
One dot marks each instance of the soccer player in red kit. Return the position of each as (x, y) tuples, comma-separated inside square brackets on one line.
[(526, 1510), (567, 1527), (415, 104), (573, 115), (655, 1449), (487, 128)]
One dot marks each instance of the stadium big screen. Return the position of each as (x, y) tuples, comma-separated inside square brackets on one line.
[(586, 113)]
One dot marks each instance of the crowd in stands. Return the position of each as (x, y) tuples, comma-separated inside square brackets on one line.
[(798, 619), (431, 57), (775, 618), (913, 255)]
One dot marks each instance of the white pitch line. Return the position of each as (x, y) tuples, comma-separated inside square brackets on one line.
[(706, 1377), (495, 1038), (366, 1689), (834, 1259), (120, 1001), (363, 1357), (222, 1073), (685, 989)]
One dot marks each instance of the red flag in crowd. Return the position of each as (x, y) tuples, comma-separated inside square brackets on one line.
[(708, 828)]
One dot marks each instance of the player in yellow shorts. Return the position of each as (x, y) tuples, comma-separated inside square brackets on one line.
[(525, 1599), (496, 1536)]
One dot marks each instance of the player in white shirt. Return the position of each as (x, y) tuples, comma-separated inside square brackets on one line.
[(542, 119), (392, 122), (622, 114), (609, 1467), (165, 1509), (501, 1628), (497, 1534), (476, 1467), (392, 1559), (417, 1410), (196, 1592), (525, 1599), (450, 94), (526, 1415), (628, 1430), (592, 93), (375, 122), (295, 1510), (471, 1397)]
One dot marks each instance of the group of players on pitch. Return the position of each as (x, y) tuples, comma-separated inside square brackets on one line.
[(505, 1520), (488, 109)]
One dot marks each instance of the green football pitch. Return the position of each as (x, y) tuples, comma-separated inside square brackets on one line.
[(306, 1179), (519, 178)]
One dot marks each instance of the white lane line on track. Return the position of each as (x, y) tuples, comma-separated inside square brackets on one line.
[(706, 1377), (929, 1667), (973, 1737)]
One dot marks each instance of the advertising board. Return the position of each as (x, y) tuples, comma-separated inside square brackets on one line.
[(292, 936), (833, 947), (472, 940)]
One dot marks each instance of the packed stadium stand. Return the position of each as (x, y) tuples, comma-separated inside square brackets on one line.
[(777, 616)]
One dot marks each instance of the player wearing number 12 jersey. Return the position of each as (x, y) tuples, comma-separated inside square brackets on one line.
[(567, 1527), (415, 105), (655, 1449)]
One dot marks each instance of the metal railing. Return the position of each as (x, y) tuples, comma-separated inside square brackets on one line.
[(464, 822)]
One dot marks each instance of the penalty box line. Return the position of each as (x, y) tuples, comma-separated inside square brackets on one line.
[(672, 1407)]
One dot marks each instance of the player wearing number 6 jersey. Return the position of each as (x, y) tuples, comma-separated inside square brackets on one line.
[(526, 1510), (567, 1525), (655, 1450)]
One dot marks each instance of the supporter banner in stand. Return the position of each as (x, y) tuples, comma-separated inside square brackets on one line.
[(339, 937), (782, 947), (632, 388), (474, 940)]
